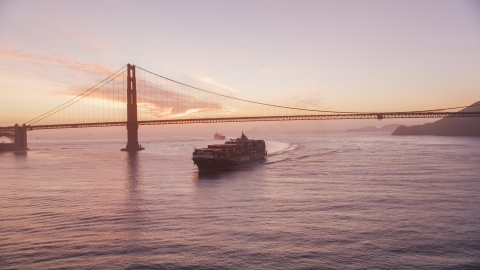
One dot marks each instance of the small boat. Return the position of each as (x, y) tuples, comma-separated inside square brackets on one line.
[(218, 136)]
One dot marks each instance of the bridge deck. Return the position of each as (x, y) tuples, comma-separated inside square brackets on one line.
[(386, 115)]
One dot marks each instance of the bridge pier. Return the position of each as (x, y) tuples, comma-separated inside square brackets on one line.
[(20, 135), (132, 124)]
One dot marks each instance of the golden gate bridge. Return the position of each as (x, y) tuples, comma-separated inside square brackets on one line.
[(134, 96)]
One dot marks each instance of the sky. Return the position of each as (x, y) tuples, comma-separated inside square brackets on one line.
[(329, 55)]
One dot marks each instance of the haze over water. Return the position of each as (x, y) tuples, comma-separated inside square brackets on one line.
[(319, 200)]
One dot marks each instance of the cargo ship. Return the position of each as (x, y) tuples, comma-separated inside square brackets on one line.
[(218, 136), (232, 153)]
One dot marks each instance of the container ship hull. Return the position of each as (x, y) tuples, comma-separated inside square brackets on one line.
[(214, 164)]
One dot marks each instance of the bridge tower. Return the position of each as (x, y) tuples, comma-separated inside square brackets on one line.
[(20, 135), (132, 124)]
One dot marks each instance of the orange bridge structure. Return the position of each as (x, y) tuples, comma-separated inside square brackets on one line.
[(134, 96)]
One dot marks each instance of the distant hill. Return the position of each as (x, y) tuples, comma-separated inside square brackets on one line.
[(449, 126), (386, 128)]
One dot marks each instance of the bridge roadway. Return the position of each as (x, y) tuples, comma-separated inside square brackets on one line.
[(379, 116)]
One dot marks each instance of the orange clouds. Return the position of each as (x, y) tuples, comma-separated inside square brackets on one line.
[(43, 59)]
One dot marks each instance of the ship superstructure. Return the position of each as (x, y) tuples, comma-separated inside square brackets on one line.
[(232, 153)]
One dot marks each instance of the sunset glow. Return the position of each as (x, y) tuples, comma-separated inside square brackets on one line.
[(357, 56)]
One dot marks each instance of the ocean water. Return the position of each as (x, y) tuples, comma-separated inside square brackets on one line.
[(318, 201)]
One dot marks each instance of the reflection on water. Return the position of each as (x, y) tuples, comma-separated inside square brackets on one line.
[(21, 153), (132, 173), (134, 218), (213, 175)]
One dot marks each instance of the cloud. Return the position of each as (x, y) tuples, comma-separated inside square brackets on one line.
[(210, 81), (64, 75), (310, 99), (41, 59), (265, 71)]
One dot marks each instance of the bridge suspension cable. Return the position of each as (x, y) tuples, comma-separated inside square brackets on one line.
[(78, 97), (244, 100), (292, 108)]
